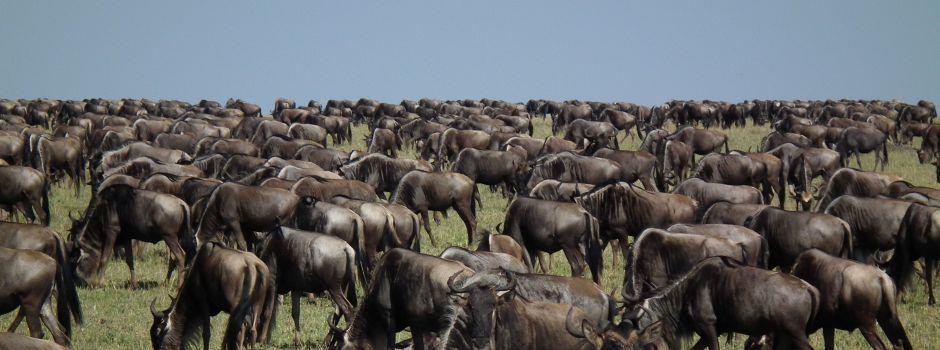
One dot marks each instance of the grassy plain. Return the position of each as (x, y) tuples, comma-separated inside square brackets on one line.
[(118, 318)]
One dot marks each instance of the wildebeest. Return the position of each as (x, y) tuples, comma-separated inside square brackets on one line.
[(409, 290), (502, 168), (310, 262), (874, 223), (852, 295), (597, 134), (917, 238), (706, 194), (854, 182), (120, 214), (65, 154), (324, 189), (234, 212), (571, 167), (422, 191), (572, 229), (790, 233), (381, 172), (27, 190), (634, 165), (379, 232), (702, 141), (753, 244), (700, 302), (29, 280), (731, 213), (384, 141), (452, 141), (484, 260), (219, 279), (625, 211), (858, 140), (554, 190)]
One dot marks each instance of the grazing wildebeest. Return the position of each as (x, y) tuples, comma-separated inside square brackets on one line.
[(381, 172), (625, 211), (789, 233), (27, 190), (706, 194), (422, 191), (597, 134), (409, 290), (917, 238), (120, 214), (233, 212), (484, 260), (754, 245), (324, 189), (310, 262), (28, 282), (494, 168), (701, 302), (852, 295), (809, 164), (384, 141), (64, 154), (219, 279), (554, 190), (379, 232), (45, 240), (858, 140), (647, 269), (854, 182), (571, 167), (731, 213), (634, 165), (572, 229), (874, 223)]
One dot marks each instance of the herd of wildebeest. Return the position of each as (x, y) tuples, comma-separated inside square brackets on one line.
[(252, 206)]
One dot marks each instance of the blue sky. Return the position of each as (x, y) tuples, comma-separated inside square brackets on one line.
[(645, 52)]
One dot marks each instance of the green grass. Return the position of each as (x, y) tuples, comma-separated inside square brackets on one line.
[(118, 318)]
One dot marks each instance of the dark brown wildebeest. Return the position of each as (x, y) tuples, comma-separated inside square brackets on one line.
[(697, 302), (324, 189), (625, 211), (648, 269), (257, 130), (19, 341), (280, 146), (917, 238), (384, 141), (493, 168), (379, 232), (634, 165), (774, 181), (571, 167), (738, 169), (855, 140), (702, 141), (484, 260), (193, 189), (142, 167), (853, 295), (381, 172), (452, 141), (337, 127), (790, 233), (65, 154), (806, 166), (27, 190), (854, 182), (504, 322), (12, 145), (422, 191), (874, 223), (774, 139), (185, 142), (226, 147), (730, 213), (754, 245), (621, 121), (419, 129), (554, 190), (705, 194), (120, 214), (501, 244), (233, 212), (310, 262), (219, 279), (148, 129), (597, 134), (570, 113), (906, 191), (910, 130), (327, 159), (45, 240), (409, 290), (310, 132), (29, 280), (572, 229)]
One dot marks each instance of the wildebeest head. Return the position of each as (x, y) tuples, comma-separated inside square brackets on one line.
[(158, 328), (624, 336), (481, 289)]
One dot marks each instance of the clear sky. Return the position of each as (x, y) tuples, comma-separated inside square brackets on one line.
[(646, 52)]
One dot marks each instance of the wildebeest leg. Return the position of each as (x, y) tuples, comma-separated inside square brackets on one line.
[(295, 314), (437, 217), (893, 329), (463, 210), (31, 309), (106, 252), (176, 253), (343, 304), (829, 338), (427, 224), (48, 318), (871, 336), (541, 257), (576, 260), (928, 269), (129, 259), (206, 331), (614, 246), (16, 321), (239, 236)]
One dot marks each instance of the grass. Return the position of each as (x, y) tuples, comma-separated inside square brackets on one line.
[(118, 318)]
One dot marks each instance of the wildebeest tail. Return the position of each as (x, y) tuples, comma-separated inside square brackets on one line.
[(239, 316), (351, 279), (45, 201), (66, 294), (269, 314), (846, 240), (416, 240), (884, 152), (359, 237), (188, 237), (349, 131), (888, 314), (764, 258), (595, 258), (900, 268)]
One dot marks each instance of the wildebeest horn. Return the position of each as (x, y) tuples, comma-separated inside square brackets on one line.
[(506, 284), (331, 322), (570, 325), (453, 287), (153, 309)]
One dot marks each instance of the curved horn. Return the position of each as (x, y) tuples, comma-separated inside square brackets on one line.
[(331, 322), (453, 287), (153, 309), (509, 284), (571, 326)]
